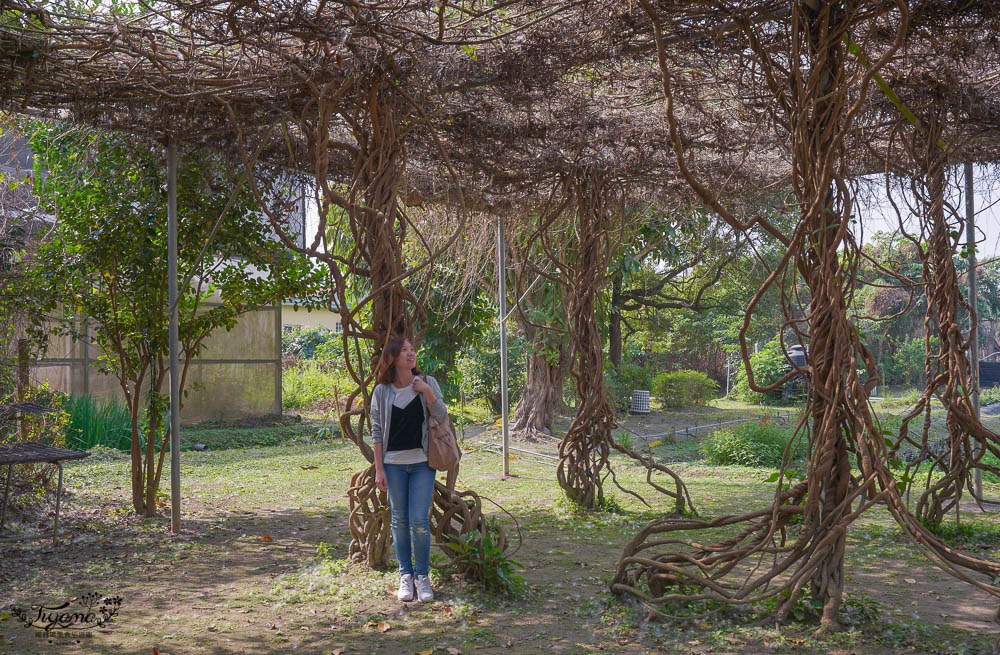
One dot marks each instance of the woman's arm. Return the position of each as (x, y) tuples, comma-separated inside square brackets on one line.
[(379, 470), (377, 436)]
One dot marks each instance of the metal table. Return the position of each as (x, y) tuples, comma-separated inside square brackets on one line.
[(35, 453)]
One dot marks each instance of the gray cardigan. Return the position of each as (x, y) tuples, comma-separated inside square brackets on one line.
[(381, 406)]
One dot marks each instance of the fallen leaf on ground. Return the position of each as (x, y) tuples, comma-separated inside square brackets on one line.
[(338, 651), (446, 610), (429, 651), (308, 468), (910, 580), (453, 651), (383, 626), (266, 537)]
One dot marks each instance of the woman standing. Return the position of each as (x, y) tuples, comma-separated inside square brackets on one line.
[(399, 408)]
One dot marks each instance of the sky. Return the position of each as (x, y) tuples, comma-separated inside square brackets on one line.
[(878, 215)]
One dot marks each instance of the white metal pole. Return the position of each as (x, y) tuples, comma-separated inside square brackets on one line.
[(502, 292), (970, 240), (175, 442)]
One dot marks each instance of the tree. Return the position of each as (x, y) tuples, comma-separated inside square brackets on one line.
[(107, 262)]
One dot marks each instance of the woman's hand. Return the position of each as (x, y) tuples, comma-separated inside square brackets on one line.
[(421, 386), (380, 479)]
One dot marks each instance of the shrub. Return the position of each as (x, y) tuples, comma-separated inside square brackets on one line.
[(623, 382), (755, 443), (33, 481), (479, 366), (479, 557), (93, 422), (303, 342), (768, 366), (683, 388), (989, 396), (309, 383)]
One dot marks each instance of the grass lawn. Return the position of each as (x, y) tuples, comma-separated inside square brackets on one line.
[(261, 565)]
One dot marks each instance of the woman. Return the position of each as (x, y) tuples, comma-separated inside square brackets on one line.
[(399, 408)]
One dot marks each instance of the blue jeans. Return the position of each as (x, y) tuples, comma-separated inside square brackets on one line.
[(411, 488)]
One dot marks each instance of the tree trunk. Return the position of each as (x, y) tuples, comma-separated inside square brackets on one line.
[(534, 411)]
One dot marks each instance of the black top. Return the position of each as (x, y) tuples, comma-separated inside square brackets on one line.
[(406, 426)]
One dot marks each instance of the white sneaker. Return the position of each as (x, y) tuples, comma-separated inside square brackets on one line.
[(424, 592), (405, 587)]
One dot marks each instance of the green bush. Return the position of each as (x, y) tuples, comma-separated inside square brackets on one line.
[(478, 556), (479, 367), (310, 382), (989, 396), (758, 443), (93, 422), (622, 383), (303, 342), (768, 366), (683, 388)]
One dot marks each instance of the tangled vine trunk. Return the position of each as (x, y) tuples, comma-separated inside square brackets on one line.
[(584, 451)]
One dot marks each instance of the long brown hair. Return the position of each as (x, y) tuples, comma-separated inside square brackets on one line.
[(387, 364)]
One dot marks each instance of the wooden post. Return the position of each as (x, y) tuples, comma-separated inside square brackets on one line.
[(22, 384)]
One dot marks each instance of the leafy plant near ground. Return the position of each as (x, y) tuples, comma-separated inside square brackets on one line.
[(768, 366), (989, 396), (94, 422), (310, 382), (755, 443), (480, 558), (627, 379), (683, 388)]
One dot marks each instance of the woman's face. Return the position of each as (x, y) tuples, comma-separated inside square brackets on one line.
[(407, 359)]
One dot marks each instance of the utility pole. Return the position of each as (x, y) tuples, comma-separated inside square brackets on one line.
[(502, 293), (970, 241)]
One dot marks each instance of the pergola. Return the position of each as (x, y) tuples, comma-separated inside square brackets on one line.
[(556, 106)]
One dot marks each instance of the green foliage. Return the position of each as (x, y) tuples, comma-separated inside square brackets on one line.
[(107, 259), (758, 443), (310, 382), (479, 366), (806, 607), (622, 383), (48, 428), (683, 388), (307, 343), (768, 365), (479, 558), (906, 365), (452, 322), (967, 533), (93, 422), (989, 396)]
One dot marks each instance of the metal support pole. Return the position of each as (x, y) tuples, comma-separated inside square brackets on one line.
[(502, 293), (55, 529), (970, 240), (175, 382)]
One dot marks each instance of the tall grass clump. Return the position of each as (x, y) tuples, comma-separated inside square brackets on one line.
[(310, 382), (759, 443), (95, 422)]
